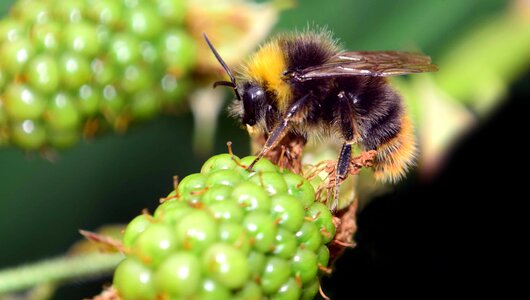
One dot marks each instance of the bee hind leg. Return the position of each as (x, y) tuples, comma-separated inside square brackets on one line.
[(341, 171), (345, 118)]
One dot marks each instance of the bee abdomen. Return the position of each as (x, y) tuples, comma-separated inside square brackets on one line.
[(396, 155)]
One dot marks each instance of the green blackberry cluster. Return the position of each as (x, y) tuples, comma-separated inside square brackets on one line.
[(71, 67), (227, 233)]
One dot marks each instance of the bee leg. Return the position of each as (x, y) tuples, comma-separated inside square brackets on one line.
[(281, 129), (345, 116), (341, 172)]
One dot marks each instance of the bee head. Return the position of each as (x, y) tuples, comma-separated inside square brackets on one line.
[(250, 102), (253, 98)]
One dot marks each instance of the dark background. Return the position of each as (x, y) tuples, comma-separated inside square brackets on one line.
[(458, 235), (424, 238)]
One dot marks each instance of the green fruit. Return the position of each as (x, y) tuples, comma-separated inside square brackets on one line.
[(43, 73), (310, 289), (22, 102), (46, 37), (288, 211), (62, 114), (112, 102), (144, 21), (226, 265), (304, 265), (155, 244), (15, 55), (323, 220), (36, 12), (145, 105), (135, 78), (234, 234), (71, 11), (212, 290), (286, 244), (262, 230), (74, 70), (134, 281), (11, 30), (134, 229), (190, 183), (223, 177), (275, 273), (220, 235), (120, 62), (300, 188), (173, 89), (178, 51), (227, 210), (219, 162), (105, 72), (3, 81), (130, 3), (323, 256), (273, 182), (216, 194), (262, 165), (192, 187), (81, 38), (149, 54), (171, 212), (288, 291), (124, 49), (251, 197), (173, 11), (309, 236), (250, 291), (28, 134), (179, 275), (256, 262), (88, 99), (196, 231), (107, 12)]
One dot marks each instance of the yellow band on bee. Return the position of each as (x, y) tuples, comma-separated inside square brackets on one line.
[(265, 67)]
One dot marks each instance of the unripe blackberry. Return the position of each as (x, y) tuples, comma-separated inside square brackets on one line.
[(113, 62), (227, 233)]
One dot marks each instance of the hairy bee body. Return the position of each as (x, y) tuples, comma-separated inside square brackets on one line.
[(303, 84), (362, 110)]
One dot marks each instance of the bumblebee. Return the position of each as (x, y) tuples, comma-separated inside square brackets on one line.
[(301, 84)]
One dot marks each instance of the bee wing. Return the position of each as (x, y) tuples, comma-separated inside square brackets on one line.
[(367, 63)]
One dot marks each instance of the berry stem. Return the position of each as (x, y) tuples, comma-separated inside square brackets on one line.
[(57, 269)]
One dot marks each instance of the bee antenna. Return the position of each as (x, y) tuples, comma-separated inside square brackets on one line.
[(232, 82), (224, 83)]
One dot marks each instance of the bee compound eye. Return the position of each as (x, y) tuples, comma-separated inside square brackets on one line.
[(255, 94), (253, 103)]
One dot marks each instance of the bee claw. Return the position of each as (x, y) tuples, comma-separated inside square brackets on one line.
[(334, 206), (251, 166)]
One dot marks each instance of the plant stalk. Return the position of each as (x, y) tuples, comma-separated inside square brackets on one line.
[(57, 269)]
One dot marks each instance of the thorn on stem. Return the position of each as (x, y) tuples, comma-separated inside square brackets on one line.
[(175, 182), (324, 296)]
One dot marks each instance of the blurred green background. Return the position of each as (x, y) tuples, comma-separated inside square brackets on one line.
[(111, 178)]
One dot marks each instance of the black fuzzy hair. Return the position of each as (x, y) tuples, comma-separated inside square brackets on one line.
[(308, 48)]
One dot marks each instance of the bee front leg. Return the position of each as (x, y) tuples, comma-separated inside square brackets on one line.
[(282, 128)]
